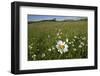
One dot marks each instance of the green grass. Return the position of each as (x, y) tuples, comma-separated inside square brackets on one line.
[(43, 38)]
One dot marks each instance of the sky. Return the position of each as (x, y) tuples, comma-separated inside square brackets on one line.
[(50, 17)]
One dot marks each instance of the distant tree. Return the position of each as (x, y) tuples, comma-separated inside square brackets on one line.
[(84, 19), (54, 19)]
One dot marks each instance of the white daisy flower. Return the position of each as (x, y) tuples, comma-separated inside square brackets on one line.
[(80, 46), (62, 47), (84, 38), (59, 37), (58, 34), (75, 36), (48, 36), (43, 55), (73, 45), (53, 48), (34, 56), (49, 49), (82, 43), (73, 39), (74, 49), (30, 47), (69, 42), (66, 39)]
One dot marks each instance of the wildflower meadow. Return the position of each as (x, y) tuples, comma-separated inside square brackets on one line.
[(54, 40)]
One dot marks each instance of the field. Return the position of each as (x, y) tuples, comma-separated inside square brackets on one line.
[(52, 40)]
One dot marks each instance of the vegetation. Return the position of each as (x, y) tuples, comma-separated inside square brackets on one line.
[(50, 40)]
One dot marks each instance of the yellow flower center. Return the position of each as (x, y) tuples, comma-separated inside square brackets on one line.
[(61, 46)]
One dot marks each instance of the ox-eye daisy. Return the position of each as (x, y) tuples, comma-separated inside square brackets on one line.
[(62, 47)]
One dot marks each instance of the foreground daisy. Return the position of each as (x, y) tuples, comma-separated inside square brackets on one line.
[(62, 47)]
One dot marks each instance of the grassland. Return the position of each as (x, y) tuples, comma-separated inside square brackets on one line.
[(44, 38)]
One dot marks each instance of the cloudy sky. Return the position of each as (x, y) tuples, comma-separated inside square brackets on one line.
[(50, 17)]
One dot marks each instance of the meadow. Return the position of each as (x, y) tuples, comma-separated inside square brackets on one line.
[(52, 40)]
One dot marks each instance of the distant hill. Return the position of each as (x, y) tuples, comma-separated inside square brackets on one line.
[(54, 20)]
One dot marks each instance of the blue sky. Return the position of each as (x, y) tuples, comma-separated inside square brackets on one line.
[(50, 17)]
